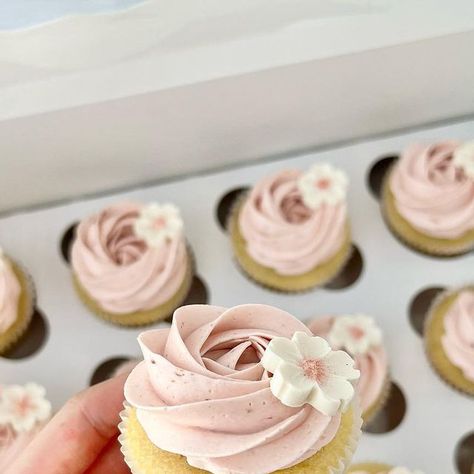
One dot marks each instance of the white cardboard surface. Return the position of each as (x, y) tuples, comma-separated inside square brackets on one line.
[(437, 417)]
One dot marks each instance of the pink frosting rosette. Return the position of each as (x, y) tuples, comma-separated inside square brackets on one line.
[(359, 336), (202, 391), (294, 221), (130, 257), (432, 191), (458, 339), (10, 290)]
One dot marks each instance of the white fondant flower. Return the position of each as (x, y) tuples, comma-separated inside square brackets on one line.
[(306, 370), (157, 223), (323, 183), (403, 470), (23, 406), (356, 334), (463, 157)]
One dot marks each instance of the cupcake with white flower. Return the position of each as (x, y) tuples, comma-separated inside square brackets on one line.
[(24, 411), (428, 197), (131, 264), (291, 232), (379, 468), (17, 298), (360, 336), (239, 390)]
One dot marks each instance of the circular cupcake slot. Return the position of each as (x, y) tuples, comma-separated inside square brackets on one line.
[(350, 273), (198, 294), (66, 241), (420, 305), (392, 413), (464, 454), (225, 204), (32, 340), (377, 172), (109, 368)]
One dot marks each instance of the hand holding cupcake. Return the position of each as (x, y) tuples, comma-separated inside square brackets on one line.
[(245, 389), (292, 232), (131, 264), (428, 198)]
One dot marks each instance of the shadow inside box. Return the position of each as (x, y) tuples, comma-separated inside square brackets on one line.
[(65, 243), (198, 294), (377, 173), (392, 413), (350, 273), (420, 305), (32, 340), (464, 454), (226, 203), (110, 368)]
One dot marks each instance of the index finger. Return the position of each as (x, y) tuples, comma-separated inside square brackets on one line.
[(73, 439)]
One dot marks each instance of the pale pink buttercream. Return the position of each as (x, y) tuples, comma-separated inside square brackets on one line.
[(282, 233), (458, 339), (118, 269), (10, 291), (373, 365), (202, 392), (432, 194)]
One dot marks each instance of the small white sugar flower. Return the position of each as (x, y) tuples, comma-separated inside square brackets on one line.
[(157, 223), (323, 183), (22, 406), (306, 370), (403, 470), (463, 158), (356, 333)]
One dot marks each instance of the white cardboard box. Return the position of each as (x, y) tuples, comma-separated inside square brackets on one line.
[(97, 102), (436, 418)]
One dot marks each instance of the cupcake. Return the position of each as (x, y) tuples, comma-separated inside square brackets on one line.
[(16, 302), (428, 198), (291, 233), (24, 411), (245, 389), (377, 468), (130, 263), (449, 338), (360, 336)]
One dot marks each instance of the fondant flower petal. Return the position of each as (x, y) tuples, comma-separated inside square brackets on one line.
[(290, 386), (278, 351), (311, 347), (342, 364)]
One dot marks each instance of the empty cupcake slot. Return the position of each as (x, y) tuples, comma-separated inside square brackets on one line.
[(226, 202), (107, 369), (391, 415), (464, 454), (420, 305), (66, 241), (350, 273), (33, 340), (377, 173), (198, 294)]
